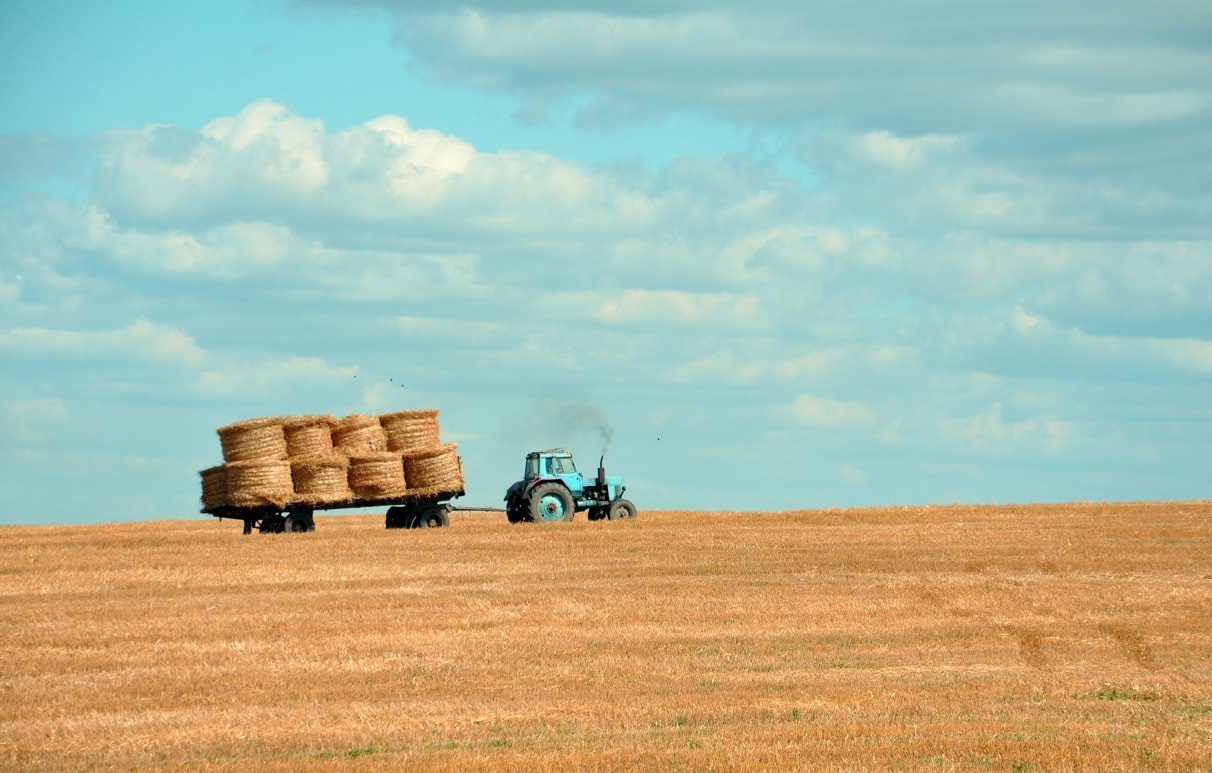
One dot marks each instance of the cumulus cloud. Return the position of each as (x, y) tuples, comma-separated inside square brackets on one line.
[(31, 421), (144, 342), (675, 306), (900, 299), (908, 65), (268, 164), (814, 411), (141, 340), (1025, 118), (990, 431)]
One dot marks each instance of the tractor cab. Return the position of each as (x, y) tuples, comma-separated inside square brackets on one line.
[(552, 489), (554, 463)]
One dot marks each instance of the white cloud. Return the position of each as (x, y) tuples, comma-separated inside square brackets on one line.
[(678, 307), (268, 164), (141, 340), (204, 371), (8, 292), (785, 62), (32, 420), (816, 411), (989, 431), (449, 328), (264, 376), (887, 149), (849, 474)]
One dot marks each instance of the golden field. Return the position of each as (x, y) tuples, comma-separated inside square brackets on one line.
[(1073, 636)]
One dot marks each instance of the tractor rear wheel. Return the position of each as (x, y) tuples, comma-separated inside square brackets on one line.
[(551, 502), (516, 512), (621, 510)]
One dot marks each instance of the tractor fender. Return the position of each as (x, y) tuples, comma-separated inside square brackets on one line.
[(537, 481), (514, 490)]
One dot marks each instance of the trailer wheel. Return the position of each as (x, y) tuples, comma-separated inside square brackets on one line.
[(300, 521), (621, 509), (434, 517), (551, 502), (273, 524), (398, 518)]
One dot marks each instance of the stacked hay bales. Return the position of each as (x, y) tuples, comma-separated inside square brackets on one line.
[(214, 487), (411, 430), (321, 480), (319, 461), (434, 469), (358, 434), (257, 483), (376, 475), (253, 439), (308, 436)]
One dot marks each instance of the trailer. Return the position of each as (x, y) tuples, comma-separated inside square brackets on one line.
[(420, 509)]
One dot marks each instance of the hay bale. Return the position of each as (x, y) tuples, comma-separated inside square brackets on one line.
[(308, 436), (435, 468), (358, 434), (259, 483), (214, 487), (376, 475), (253, 439), (411, 430), (321, 480)]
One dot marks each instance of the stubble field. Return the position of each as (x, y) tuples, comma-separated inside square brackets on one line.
[(1003, 638)]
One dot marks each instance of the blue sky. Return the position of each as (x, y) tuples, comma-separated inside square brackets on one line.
[(796, 255)]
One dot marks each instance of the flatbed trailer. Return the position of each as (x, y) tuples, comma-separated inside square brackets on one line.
[(424, 508)]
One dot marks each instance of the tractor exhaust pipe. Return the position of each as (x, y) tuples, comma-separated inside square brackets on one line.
[(602, 471)]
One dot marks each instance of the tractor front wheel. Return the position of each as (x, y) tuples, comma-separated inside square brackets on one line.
[(621, 510), (551, 502)]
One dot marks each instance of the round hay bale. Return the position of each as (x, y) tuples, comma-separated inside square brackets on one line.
[(435, 468), (376, 476), (321, 480), (259, 483), (411, 430), (358, 434), (214, 487), (308, 436), (253, 439)]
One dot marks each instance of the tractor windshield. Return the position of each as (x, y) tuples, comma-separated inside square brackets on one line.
[(562, 465)]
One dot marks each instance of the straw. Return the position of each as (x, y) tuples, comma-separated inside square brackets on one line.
[(259, 483), (411, 430), (435, 468), (214, 487), (308, 436), (321, 480), (376, 476), (356, 434), (253, 439)]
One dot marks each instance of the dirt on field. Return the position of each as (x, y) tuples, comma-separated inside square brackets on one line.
[(1001, 638)]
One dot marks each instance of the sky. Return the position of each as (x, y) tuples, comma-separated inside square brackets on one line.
[(770, 255)]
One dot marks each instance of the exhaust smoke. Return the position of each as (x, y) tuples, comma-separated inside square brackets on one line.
[(569, 419)]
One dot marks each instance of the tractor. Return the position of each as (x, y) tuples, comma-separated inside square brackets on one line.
[(552, 490)]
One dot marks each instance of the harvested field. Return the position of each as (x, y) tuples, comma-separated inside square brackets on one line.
[(1003, 638)]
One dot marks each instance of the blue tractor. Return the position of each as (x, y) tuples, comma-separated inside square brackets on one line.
[(552, 489)]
